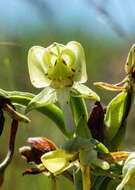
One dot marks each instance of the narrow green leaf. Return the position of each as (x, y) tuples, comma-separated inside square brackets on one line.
[(98, 182), (79, 109), (114, 114), (3, 93), (52, 111), (78, 179), (112, 185), (55, 114), (118, 138), (82, 129), (20, 97)]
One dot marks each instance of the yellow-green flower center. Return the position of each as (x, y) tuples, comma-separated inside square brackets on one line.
[(61, 67)]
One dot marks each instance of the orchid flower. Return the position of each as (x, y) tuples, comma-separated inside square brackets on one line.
[(61, 71)]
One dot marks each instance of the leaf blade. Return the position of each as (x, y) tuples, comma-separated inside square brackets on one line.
[(114, 114)]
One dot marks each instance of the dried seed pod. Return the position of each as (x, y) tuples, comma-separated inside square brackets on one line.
[(39, 146), (96, 122)]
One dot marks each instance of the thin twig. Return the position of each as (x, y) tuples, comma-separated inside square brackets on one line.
[(12, 44)]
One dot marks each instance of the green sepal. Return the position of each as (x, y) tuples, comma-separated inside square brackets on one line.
[(80, 90), (114, 114), (45, 97), (76, 144), (57, 161)]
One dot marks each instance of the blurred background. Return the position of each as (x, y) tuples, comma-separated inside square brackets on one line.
[(105, 28)]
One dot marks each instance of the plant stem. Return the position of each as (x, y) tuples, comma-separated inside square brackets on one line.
[(86, 177), (53, 183), (9, 156)]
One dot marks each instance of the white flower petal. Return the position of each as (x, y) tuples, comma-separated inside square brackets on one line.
[(69, 57), (81, 75), (37, 67)]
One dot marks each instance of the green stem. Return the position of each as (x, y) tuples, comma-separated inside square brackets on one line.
[(80, 115), (53, 183), (9, 156), (86, 177)]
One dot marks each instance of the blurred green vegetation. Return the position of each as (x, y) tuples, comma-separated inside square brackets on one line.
[(105, 62)]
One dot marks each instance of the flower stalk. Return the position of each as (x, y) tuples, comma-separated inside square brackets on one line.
[(86, 177)]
